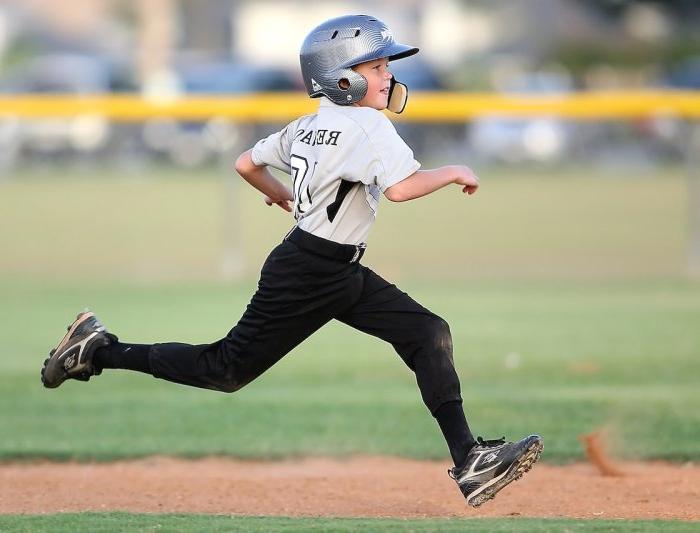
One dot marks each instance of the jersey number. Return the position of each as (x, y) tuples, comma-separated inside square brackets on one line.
[(300, 174)]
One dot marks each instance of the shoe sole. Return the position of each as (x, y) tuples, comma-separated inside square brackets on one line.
[(82, 317), (516, 471)]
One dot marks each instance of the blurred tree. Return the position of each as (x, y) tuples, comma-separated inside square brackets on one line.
[(617, 8), (635, 35)]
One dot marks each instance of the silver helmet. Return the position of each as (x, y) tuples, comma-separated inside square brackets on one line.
[(331, 49)]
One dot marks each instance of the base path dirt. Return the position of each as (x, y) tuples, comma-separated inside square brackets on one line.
[(354, 487)]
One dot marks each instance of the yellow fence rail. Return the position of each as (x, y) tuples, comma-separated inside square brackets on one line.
[(423, 107)]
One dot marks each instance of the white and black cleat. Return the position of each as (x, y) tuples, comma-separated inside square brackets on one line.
[(73, 357), (493, 464)]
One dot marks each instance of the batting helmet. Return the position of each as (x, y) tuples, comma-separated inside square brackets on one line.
[(331, 49)]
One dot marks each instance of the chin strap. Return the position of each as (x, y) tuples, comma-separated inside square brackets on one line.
[(398, 96)]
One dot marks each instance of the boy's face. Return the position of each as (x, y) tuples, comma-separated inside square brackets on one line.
[(378, 78)]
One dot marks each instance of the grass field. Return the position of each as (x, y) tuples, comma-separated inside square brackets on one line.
[(170, 225), (565, 295), (171, 523), (560, 360)]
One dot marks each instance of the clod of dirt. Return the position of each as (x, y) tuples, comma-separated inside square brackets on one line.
[(594, 444)]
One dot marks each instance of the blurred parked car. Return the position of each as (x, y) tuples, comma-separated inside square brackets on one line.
[(75, 74), (666, 133), (524, 139), (686, 75), (195, 143)]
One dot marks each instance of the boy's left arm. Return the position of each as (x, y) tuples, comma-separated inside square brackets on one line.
[(423, 182), (260, 177)]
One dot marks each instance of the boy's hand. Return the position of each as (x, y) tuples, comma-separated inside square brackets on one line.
[(284, 204), (465, 176)]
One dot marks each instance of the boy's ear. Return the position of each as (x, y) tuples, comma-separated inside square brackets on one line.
[(398, 96)]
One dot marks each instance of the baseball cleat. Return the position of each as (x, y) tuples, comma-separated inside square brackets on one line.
[(493, 464), (72, 358)]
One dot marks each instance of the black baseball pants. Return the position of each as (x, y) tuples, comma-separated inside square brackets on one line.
[(305, 282)]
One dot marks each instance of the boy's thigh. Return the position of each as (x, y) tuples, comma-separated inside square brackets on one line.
[(385, 311), (286, 308)]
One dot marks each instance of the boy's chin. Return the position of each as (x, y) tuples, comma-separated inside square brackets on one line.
[(379, 104)]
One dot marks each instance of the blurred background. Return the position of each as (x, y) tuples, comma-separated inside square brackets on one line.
[(166, 48)]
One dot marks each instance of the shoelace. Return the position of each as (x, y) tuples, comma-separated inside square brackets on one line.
[(490, 443)]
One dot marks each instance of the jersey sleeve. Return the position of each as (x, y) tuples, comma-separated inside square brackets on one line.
[(382, 157), (274, 150)]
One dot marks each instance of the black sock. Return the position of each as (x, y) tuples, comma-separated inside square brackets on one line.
[(453, 423), (123, 355)]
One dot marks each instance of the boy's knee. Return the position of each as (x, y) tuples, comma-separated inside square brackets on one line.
[(228, 386), (437, 334), (228, 382)]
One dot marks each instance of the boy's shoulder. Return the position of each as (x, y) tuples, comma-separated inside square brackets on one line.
[(300, 121), (371, 116)]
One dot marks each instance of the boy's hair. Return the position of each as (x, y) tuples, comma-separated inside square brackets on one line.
[(331, 49)]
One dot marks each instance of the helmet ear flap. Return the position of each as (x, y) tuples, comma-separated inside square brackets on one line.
[(398, 96), (351, 87)]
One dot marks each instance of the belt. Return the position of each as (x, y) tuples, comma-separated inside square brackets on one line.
[(345, 253)]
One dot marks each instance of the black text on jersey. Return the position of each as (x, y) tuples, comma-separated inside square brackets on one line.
[(314, 137), (302, 177)]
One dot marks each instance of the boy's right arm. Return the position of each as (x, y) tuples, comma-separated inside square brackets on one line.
[(423, 182), (260, 177)]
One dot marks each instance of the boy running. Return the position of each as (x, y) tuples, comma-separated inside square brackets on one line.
[(341, 160)]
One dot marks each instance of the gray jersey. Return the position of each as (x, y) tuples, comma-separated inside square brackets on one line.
[(340, 159)]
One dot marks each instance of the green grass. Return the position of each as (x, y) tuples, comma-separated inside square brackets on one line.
[(565, 295), (95, 522), (194, 226), (557, 359)]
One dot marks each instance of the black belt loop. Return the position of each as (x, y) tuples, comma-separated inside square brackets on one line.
[(346, 253)]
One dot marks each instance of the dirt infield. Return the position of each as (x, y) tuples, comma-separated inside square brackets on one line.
[(359, 487)]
